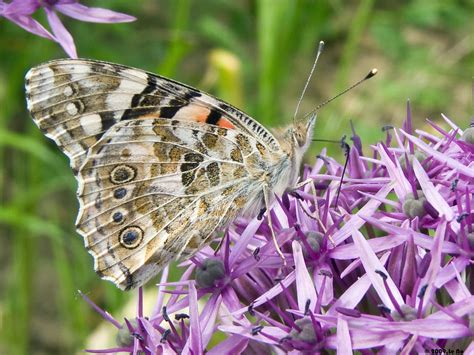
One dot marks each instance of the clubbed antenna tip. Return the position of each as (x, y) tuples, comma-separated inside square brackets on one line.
[(371, 73), (368, 76)]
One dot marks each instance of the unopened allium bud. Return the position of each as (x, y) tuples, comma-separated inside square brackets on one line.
[(409, 313), (210, 271), (414, 207), (124, 338), (314, 240), (419, 155), (468, 135), (307, 332)]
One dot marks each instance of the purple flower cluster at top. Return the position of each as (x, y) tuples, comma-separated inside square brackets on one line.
[(388, 269), (21, 11)]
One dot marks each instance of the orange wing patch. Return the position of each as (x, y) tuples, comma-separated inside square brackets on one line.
[(196, 113), (225, 123)]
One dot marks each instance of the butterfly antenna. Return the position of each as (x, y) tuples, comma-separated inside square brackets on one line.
[(318, 53), (472, 92), (367, 77)]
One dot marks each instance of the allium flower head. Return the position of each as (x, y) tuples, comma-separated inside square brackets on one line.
[(387, 268), (21, 11)]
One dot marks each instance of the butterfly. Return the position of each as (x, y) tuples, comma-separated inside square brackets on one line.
[(160, 166)]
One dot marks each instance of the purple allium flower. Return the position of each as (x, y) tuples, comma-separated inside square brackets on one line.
[(369, 272), (21, 11)]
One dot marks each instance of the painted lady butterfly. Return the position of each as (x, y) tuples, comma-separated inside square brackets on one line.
[(160, 165)]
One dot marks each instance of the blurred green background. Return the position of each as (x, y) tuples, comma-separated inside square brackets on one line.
[(255, 54)]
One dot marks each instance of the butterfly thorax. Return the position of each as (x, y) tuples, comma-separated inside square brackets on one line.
[(278, 169)]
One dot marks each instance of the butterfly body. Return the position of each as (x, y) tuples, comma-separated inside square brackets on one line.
[(160, 165)]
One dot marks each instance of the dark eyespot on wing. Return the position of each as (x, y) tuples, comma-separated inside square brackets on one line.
[(120, 193), (131, 237), (117, 217)]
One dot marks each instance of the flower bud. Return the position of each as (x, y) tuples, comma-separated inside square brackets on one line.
[(124, 338), (419, 155), (414, 207), (210, 271), (314, 239), (468, 135), (409, 313), (307, 332)]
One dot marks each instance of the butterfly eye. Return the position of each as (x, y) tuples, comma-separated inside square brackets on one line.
[(300, 138)]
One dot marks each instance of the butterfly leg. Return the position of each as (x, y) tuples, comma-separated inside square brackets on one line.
[(266, 198), (315, 215), (313, 193), (221, 241)]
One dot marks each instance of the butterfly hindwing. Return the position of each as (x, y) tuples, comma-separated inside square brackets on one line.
[(152, 189)]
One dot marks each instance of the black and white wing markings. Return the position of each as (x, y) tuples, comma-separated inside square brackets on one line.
[(152, 190), (74, 101)]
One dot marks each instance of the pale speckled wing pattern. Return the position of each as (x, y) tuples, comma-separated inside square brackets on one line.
[(156, 189), (160, 165), (75, 101)]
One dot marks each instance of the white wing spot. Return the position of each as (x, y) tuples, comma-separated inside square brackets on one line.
[(210, 100), (91, 124), (38, 77), (122, 96), (131, 73), (67, 91), (130, 86), (71, 108)]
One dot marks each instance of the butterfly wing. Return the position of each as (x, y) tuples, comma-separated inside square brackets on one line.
[(160, 165), (153, 189), (74, 101)]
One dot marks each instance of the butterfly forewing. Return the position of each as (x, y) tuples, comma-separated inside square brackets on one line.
[(75, 101)]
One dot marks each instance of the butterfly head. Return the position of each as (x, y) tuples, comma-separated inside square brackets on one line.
[(302, 133)]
